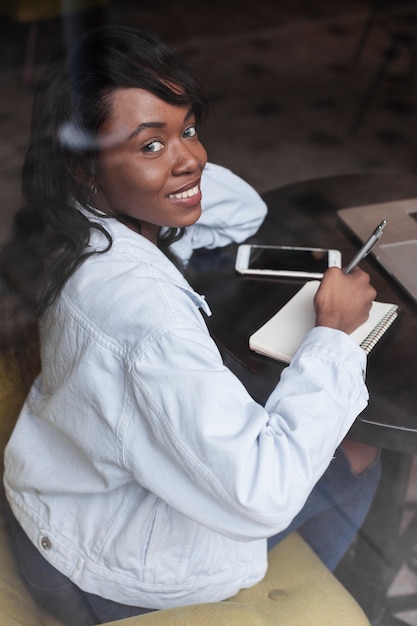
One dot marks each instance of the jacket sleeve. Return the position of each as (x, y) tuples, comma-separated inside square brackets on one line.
[(225, 461), (232, 212)]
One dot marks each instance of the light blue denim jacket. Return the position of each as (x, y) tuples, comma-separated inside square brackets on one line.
[(140, 466)]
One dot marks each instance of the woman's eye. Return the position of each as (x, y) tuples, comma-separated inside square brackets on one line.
[(190, 132), (153, 146)]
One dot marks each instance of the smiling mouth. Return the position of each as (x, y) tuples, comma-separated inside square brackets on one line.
[(183, 195)]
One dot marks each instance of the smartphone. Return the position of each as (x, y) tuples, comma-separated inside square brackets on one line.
[(286, 261)]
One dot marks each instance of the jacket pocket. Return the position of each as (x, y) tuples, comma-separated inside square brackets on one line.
[(169, 546), (150, 542)]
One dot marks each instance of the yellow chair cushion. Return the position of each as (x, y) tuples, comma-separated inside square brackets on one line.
[(299, 590), (12, 395), (209, 614)]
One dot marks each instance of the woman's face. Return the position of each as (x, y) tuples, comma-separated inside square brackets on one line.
[(150, 162)]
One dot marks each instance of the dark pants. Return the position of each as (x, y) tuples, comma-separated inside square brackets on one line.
[(335, 509)]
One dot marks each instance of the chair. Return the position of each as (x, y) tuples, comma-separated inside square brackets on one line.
[(298, 590)]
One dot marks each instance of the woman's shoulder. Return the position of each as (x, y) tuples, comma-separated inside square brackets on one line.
[(129, 294)]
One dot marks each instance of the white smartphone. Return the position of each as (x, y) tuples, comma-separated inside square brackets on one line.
[(286, 261)]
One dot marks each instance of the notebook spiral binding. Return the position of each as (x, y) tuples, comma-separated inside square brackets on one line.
[(380, 329)]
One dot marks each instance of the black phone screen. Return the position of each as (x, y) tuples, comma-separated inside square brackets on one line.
[(288, 259)]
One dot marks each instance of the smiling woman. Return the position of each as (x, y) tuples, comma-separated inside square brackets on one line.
[(141, 474), (151, 164)]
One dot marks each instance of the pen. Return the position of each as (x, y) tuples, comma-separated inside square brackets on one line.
[(367, 247)]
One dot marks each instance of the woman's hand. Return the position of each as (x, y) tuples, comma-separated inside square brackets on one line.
[(343, 301)]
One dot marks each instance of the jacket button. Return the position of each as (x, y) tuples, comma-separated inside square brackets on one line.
[(46, 543), (277, 594)]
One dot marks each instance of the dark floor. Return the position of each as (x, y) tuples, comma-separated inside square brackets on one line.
[(282, 71), (179, 21)]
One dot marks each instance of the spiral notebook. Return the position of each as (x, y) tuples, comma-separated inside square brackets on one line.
[(281, 336)]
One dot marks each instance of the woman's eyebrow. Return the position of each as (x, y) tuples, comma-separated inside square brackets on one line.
[(145, 125)]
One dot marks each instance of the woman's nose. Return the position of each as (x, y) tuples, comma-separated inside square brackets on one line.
[(185, 161)]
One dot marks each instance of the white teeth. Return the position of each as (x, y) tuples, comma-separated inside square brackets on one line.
[(185, 194)]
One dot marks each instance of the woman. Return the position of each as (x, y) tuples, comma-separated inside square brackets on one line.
[(140, 469)]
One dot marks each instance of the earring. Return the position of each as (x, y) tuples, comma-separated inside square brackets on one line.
[(93, 190)]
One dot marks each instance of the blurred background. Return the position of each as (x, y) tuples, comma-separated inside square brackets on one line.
[(297, 89)]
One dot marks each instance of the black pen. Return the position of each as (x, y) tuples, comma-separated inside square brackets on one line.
[(367, 247)]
